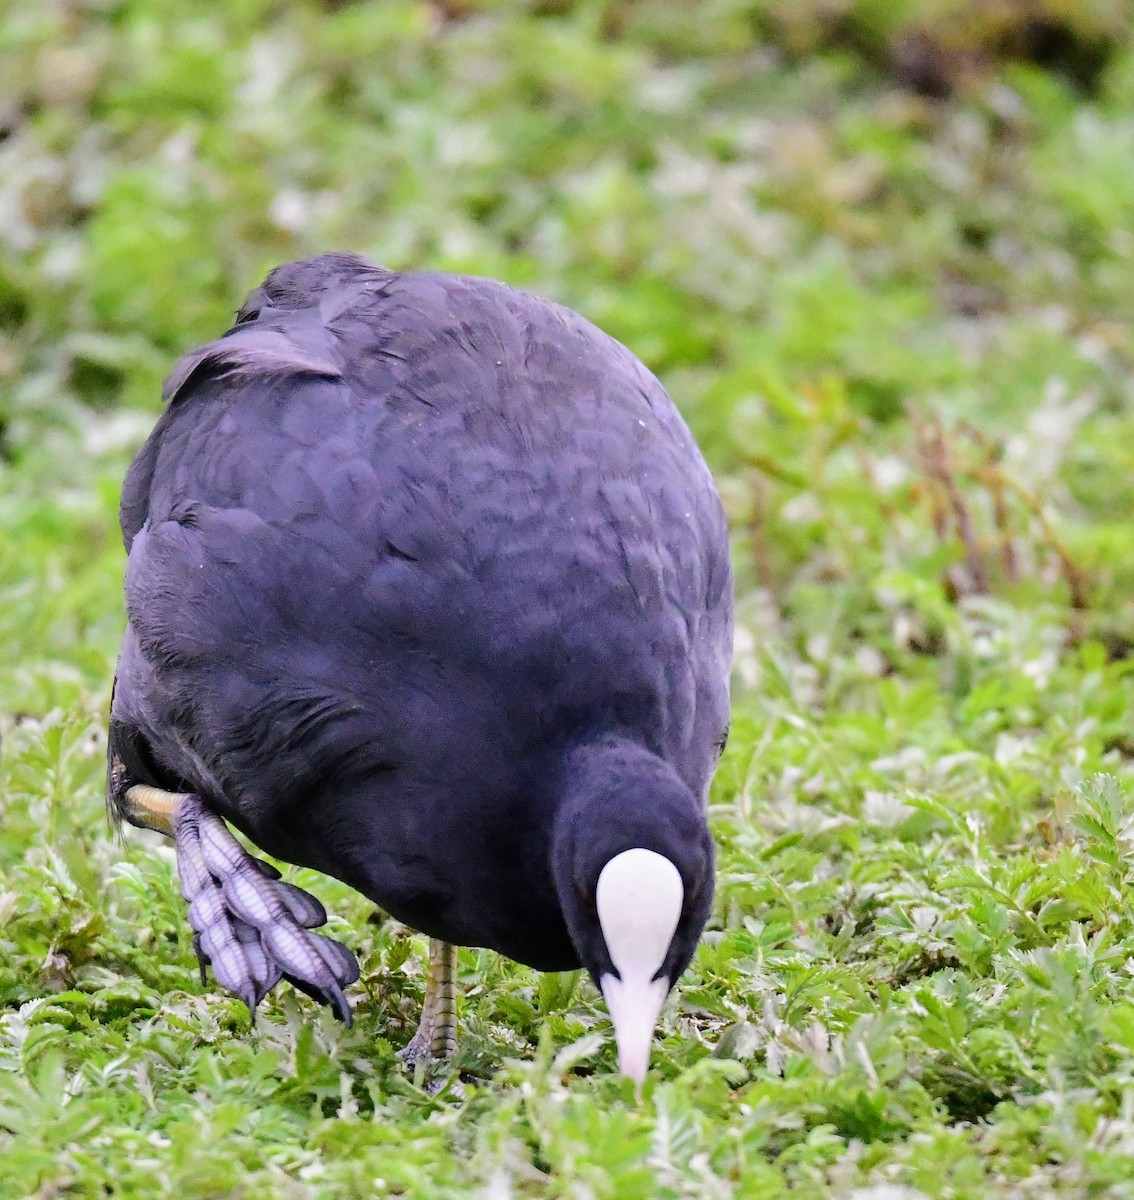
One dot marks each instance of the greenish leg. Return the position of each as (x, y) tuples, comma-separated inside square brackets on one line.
[(436, 1037), (151, 808)]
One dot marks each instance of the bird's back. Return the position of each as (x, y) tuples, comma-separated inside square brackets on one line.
[(401, 537)]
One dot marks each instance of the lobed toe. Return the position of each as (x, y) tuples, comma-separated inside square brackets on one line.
[(250, 926)]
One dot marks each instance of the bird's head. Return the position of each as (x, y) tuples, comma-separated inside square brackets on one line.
[(633, 863)]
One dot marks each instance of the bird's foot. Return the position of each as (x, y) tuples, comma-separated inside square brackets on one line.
[(253, 928), (434, 1044)]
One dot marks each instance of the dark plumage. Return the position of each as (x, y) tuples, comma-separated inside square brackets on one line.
[(428, 588)]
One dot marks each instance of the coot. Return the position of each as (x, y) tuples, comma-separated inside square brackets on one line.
[(428, 588)]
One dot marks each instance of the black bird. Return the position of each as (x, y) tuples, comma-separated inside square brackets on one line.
[(428, 588)]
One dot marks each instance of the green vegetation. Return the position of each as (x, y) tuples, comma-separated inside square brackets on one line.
[(883, 256)]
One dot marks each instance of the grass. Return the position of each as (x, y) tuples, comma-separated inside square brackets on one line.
[(881, 255)]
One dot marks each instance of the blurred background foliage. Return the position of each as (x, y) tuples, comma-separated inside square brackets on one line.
[(824, 223), (882, 254)]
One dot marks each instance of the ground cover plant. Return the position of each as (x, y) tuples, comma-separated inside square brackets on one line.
[(882, 256)]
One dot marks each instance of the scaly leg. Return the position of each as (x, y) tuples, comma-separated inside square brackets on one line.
[(436, 1036), (248, 924)]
